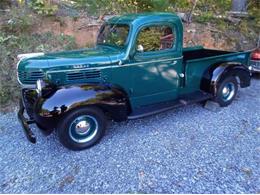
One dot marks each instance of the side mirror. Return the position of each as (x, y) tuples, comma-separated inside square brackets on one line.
[(140, 48)]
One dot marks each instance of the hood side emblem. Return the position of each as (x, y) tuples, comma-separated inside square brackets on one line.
[(81, 66)]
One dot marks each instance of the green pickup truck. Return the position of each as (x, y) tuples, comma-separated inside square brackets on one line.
[(137, 68)]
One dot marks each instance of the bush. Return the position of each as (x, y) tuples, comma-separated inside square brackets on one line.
[(101, 7), (17, 21), (5, 4), (43, 7), (253, 9), (205, 17), (12, 45)]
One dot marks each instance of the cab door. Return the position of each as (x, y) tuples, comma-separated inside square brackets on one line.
[(156, 65)]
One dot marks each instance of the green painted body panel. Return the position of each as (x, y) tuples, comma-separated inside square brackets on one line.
[(196, 68), (147, 78)]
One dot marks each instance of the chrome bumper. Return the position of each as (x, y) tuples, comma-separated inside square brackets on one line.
[(25, 123)]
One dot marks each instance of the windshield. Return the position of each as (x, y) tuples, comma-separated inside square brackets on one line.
[(113, 34)]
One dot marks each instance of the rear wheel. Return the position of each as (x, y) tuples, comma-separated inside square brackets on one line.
[(82, 128), (227, 91)]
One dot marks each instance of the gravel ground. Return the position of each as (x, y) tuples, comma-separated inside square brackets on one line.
[(186, 150)]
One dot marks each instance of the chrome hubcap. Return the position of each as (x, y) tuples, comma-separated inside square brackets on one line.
[(228, 91), (83, 129)]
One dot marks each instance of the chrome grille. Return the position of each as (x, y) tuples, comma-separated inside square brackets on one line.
[(74, 76), (30, 77)]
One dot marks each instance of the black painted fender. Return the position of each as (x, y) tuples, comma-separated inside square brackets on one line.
[(213, 76), (51, 108)]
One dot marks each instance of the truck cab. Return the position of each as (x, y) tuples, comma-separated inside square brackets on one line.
[(137, 68)]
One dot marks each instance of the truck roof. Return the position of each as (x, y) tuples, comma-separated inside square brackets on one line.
[(144, 17)]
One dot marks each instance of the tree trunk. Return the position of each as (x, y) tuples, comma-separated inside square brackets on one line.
[(192, 10)]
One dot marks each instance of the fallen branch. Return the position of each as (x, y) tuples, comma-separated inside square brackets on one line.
[(88, 26), (5, 10)]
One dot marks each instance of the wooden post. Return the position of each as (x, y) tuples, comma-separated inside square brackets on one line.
[(239, 8), (239, 5)]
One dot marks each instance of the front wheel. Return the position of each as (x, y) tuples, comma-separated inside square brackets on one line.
[(227, 91), (82, 128)]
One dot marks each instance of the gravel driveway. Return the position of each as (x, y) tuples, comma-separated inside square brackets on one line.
[(186, 150)]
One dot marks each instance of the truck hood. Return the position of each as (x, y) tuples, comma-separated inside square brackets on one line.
[(94, 57), (84, 58), (52, 66)]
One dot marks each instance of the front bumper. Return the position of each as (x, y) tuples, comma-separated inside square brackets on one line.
[(30, 103), (255, 66), (25, 124)]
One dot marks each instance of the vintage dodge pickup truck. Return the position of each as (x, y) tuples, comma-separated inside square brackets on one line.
[(137, 68)]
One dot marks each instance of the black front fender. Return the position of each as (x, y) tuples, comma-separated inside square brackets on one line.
[(49, 110), (213, 76)]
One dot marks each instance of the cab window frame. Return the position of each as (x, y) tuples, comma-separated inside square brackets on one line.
[(111, 45), (174, 45)]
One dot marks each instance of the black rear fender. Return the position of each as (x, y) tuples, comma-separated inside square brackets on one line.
[(216, 73)]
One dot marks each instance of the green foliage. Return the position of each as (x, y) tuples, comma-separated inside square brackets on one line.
[(254, 12), (213, 6), (122, 6), (128, 6), (7, 76), (221, 25), (156, 38), (149, 38), (205, 17), (12, 45), (43, 7), (180, 5), (95, 7), (17, 21), (4, 4), (151, 5)]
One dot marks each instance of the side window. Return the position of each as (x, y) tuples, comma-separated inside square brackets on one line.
[(155, 38), (113, 34)]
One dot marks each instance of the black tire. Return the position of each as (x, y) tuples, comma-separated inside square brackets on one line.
[(225, 99), (67, 132)]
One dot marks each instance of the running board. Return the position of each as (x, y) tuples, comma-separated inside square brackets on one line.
[(165, 106)]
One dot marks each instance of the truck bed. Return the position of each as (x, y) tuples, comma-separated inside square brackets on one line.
[(197, 53), (196, 61)]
